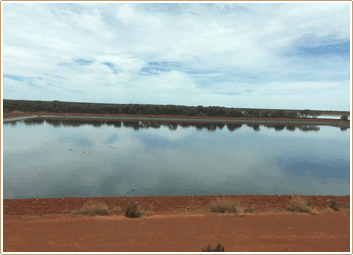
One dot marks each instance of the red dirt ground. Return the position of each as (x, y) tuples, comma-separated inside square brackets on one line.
[(174, 232)]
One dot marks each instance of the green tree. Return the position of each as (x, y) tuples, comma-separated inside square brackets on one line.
[(151, 111), (292, 114), (256, 113), (235, 113), (186, 113), (199, 108), (193, 112), (344, 117), (221, 111), (125, 109), (266, 114), (281, 113), (274, 114), (116, 109)]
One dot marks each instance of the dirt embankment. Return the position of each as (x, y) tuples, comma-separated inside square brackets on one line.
[(166, 231), (42, 206)]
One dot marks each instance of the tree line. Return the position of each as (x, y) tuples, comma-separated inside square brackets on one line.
[(137, 125), (148, 109)]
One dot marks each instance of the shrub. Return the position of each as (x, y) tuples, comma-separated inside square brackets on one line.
[(298, 204), (334, 206), (132, 211), (219, 248), (91, 209), (117, 210), (226, 206), (344, 117)]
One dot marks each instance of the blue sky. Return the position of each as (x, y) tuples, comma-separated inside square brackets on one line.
[(251, 55)]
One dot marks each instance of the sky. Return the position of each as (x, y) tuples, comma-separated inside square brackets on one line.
[(242, 55)]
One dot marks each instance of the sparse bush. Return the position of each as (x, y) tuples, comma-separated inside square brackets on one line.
[(92, 209), (150, 211), (298, 204), (132, 211), (117, 210), (226, 206), (219, 248), (334, 206), (344, 117)]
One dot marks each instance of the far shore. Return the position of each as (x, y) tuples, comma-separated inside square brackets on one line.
[(180, 119)]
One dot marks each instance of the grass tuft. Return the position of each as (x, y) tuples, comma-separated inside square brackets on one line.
[(92, 209), (336, 207), (300, 205), (117, 210), (218, 248), (229, 206)]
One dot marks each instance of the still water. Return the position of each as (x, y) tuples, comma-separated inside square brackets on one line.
[(53, 159)]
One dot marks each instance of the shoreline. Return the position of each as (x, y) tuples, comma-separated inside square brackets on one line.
[(161, 204), (178, 119)]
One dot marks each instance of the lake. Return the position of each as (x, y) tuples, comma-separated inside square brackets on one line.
[(53, 159)]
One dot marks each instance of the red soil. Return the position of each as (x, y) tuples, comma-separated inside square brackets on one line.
[(174, 232)]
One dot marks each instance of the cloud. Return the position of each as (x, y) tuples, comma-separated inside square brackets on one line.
[(179, 53)]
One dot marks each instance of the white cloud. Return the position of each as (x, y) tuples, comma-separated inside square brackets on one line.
[(218, 48)]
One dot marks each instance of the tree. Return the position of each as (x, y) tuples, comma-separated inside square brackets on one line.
[(291, 115), (201, 114), (193, 112), (116, 109), (274, 114), (132, 111), (186, 113), (234, 113), (265, 113), (126, 109), (281, 113), (256, 113), (344, 117), (221, 111), (151, 111)]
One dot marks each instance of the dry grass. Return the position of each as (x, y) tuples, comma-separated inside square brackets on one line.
[(229, 207), (222, 206), (92, 209), (117, 210), (148, 212), (300, 205), (193, 210)]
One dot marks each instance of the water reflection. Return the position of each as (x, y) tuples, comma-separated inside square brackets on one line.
[(137, 125), (110, 158)]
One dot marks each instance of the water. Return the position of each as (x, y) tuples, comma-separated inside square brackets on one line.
[(51, 159), (336, 117)]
